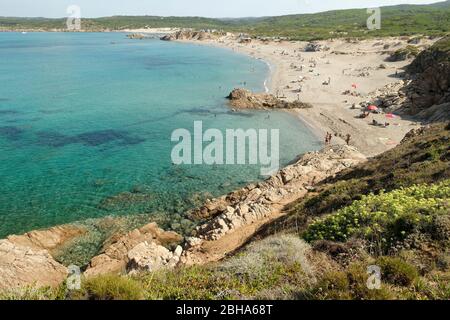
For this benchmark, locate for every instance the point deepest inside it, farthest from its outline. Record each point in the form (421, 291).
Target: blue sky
(205, 8)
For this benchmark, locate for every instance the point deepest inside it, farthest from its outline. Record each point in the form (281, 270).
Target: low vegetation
(404, 53)
(388, 218)
(434, 20)
(423, 158)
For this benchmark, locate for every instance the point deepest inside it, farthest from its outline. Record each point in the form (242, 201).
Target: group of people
(329, 137)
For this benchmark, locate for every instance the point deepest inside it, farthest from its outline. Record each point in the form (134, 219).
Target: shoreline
(269, 87)
(343, 62)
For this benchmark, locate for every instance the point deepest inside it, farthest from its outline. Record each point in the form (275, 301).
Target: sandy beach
(321, 78)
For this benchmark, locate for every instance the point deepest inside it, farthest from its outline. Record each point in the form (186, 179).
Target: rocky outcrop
(403, 54)
(257, 202)
(27, 259)
(22, 266)
(431, 77)
(426, 92)
(115, 257)
(315, 47)
(138, 36)
(151, 257)
(192, 35)
(49, 239)
(245, 99)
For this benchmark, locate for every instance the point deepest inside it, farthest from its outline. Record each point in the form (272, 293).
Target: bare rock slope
(426, 94)
(235, 217)
(22, 266)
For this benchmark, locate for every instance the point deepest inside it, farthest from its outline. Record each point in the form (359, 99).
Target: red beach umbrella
(372, 108)
(391, 116)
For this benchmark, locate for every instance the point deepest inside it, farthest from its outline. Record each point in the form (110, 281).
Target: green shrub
(396, 271)
(111, 287)
(405, 165)
(385, 218)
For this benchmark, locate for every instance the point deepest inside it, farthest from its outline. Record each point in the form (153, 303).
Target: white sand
(332, 110)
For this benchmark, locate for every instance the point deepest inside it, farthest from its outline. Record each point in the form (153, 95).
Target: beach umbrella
(391, 116)
(354, 86)
(372, 108)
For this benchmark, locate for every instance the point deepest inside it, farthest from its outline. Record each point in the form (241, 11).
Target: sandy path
(343, 64)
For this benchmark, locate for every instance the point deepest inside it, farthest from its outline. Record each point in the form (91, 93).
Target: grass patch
(346, 285)
(109, 287)
(396, 271)
(261, 270)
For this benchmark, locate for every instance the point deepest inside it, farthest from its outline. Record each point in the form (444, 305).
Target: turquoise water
(87, 117)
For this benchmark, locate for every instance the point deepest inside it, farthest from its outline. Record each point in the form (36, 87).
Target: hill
(398, 20)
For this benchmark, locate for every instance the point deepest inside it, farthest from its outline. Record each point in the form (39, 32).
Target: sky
(204, 8)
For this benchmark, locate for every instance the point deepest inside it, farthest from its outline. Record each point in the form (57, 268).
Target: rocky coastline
(226, 223)
(28, 259)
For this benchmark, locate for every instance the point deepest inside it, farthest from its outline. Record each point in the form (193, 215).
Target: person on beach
(348, 138)
(328, 138)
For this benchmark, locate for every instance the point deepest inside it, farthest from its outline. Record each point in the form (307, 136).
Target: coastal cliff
(425, 94)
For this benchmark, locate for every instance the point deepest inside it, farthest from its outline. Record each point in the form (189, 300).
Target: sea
(86, 121)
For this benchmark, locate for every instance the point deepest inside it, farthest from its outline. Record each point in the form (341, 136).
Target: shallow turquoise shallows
(86, 121)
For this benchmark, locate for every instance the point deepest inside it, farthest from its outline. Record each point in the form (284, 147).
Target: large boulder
(22, 266)
(151, 257)
(115, 256)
